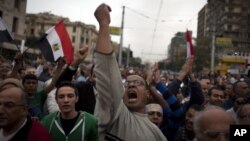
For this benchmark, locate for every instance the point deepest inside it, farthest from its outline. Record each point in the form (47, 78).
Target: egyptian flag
(56, 43)
(190, 48)
(4, 33)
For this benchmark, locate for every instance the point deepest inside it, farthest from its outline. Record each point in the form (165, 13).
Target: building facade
(228, 20)
(80, 33)
(13, 13)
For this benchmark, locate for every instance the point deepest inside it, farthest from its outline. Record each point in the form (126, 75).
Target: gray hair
(198, 117)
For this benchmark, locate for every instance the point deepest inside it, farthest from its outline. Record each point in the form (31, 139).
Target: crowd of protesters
(100, 101)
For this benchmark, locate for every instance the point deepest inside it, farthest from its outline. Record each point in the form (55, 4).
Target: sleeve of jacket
(91, 126)
(110, 89)
(196, 96)
(66, 75)
(174, 86)
(177, 113)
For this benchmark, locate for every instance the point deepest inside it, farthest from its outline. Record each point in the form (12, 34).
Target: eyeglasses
(247, 116)
(158, 114)
(240, 102)
(133, 82)
(9, 105)
(218, 96)
(215, 134)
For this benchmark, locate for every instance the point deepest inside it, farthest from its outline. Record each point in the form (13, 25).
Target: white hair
(198, 116)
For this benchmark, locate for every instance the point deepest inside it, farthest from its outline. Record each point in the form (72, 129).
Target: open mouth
(65, 106)
(132, 96)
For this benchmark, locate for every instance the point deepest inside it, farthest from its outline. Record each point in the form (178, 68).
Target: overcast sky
(140, 20)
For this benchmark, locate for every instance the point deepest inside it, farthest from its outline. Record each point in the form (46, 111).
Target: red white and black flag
(5, 35)
(190, 48)
(56, 43)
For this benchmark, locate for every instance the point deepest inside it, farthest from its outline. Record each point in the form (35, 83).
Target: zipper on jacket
(66, 138)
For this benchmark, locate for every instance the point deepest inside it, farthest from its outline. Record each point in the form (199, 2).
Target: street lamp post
(212, 55)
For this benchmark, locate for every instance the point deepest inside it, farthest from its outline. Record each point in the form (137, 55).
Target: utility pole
(212, 54)
(121, 38)
(128, 55)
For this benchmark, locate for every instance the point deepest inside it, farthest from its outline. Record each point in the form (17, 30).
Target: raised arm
(153, 91)
(103, 44)
(55, 77)
(108, 78)
(186, 68)
(70, 70)
(18, 64)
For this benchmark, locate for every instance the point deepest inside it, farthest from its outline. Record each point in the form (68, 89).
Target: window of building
(82, 40)
(1, 14)
(73, 39)
(74, 29)
(87, 41)
(32, 31)
(42, 26)
(15, 24)
(17, 4)
(229, 27)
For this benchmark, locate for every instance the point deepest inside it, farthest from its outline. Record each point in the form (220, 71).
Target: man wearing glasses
(243, 114)
(213, 124)
(14, 121)
(121, 112)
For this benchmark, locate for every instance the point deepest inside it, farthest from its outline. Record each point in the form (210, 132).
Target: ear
(77, 97)
(147, 93)
(25, 109)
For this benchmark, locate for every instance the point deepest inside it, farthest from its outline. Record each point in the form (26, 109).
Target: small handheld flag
(56, 43)
(5, 35)
(190, 49)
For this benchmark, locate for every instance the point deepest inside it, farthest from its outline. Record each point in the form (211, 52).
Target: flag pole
(18, 48)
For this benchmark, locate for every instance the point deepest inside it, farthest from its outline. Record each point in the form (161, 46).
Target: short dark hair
(28, 77)
(235, 85)
(196, 107)
(67, 84)
(214, 88)
(240, 110)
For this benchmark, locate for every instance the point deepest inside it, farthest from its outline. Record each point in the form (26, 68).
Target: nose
(155, 116)
(65, 99)
(222, 138)
(131, 84)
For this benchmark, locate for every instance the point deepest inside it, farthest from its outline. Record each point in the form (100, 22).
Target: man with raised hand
(121, 112)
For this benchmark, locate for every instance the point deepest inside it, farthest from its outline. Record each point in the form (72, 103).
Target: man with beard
(121, 112)
(216, 97)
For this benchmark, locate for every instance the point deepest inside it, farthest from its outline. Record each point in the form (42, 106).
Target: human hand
(154, 75)
(61, 62)
(102, 14)
(18, 57)
(40, 60)
(187, 67)
(80, 55)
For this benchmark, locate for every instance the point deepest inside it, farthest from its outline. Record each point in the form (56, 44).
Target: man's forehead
(66, 89)
(4, 64)
(134, 77)
(215, 91)
(242, 83)
(10, 92)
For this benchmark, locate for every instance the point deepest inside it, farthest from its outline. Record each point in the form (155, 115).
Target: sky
(149, 25)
